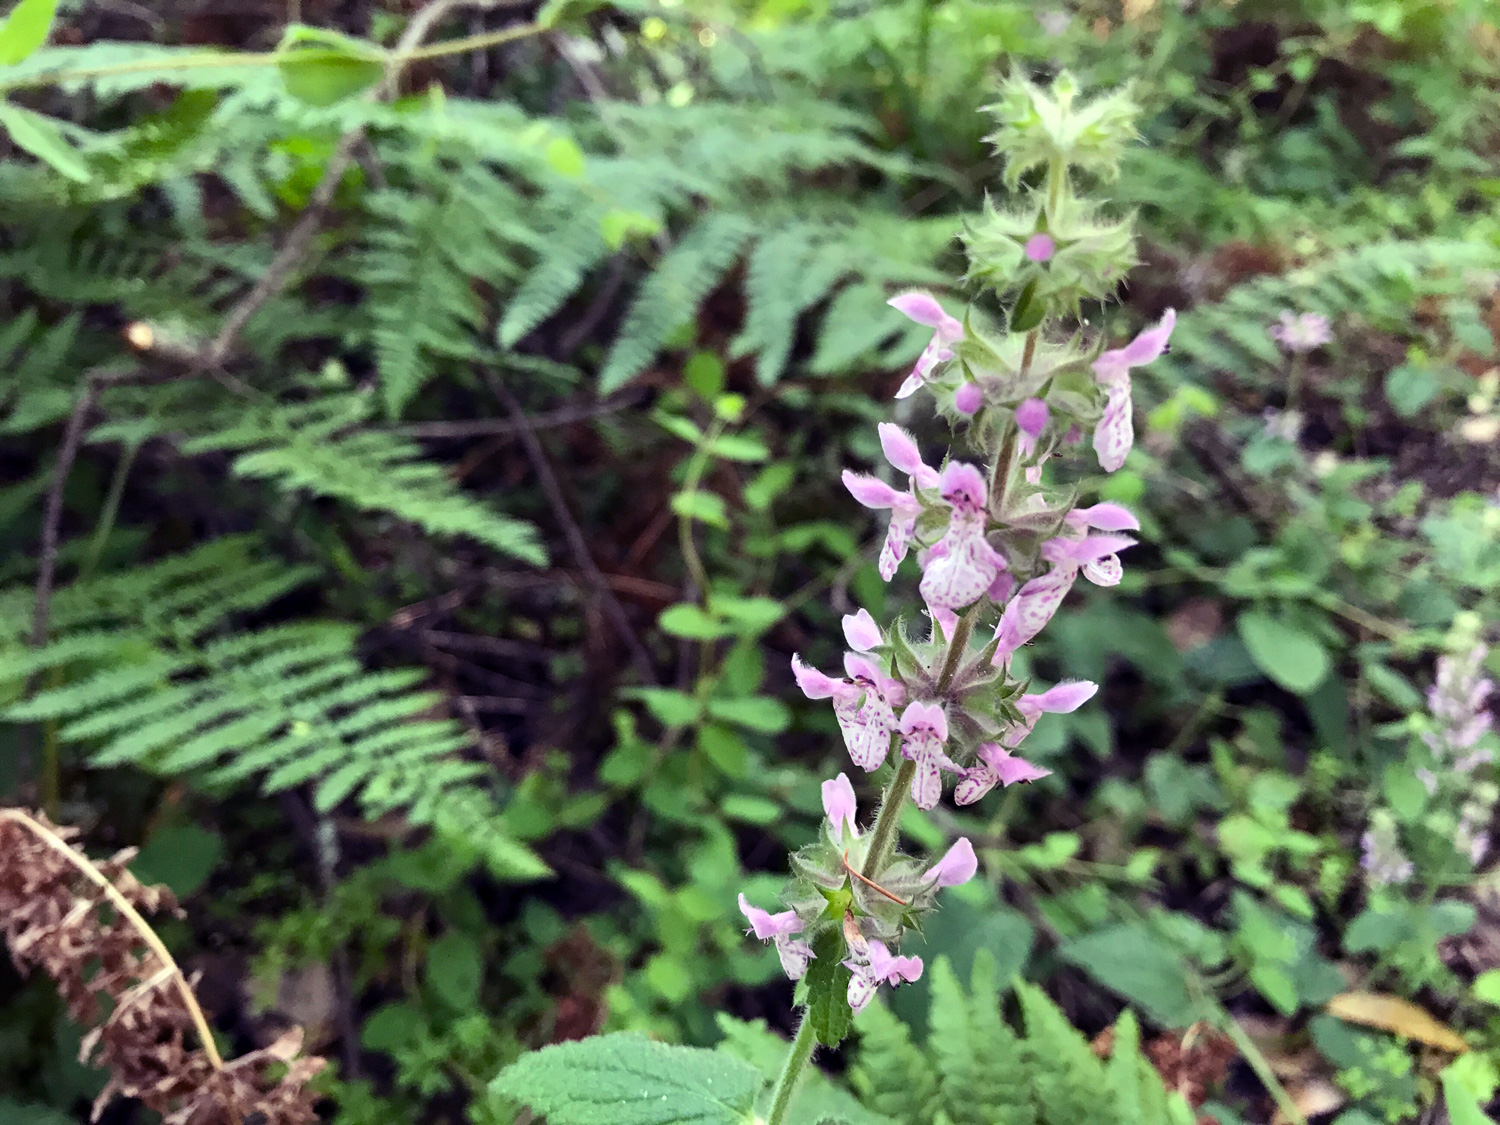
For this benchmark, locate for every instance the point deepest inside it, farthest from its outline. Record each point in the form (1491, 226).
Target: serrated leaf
(828, 989)
(1286, 654)
(25, 30)
(613, 1079)
(1132, 960)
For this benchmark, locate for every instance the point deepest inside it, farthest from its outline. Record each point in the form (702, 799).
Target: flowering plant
(1021, 379)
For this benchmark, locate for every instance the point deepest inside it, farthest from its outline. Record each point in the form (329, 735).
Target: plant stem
(958, 646)
(797, 1058)
(1057, 178)
(888, 821)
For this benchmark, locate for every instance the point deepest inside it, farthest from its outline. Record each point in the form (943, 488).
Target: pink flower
(1115, 433)
(779, 928)
(861, 631)
(962, 565)
(1027, 613)
(946, 330)
(1302, 333)
(864, 704)
(968, 399)
(839, 807)
(958, 865)
(997, 763)
(878, 966)
(924, 733)
(1032, 417)
(1040, 248)
(901, 451)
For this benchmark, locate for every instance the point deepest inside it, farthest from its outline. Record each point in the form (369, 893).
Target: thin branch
(488, 427)
(147, 935)
(577, 545)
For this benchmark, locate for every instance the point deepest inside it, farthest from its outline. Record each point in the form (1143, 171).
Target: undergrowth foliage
(308, 314)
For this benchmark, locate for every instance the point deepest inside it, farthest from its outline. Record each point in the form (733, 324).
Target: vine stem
(796, 1062)
(169, 965)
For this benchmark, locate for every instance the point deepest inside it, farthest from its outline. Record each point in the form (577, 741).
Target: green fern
(421, 267)
(572, 245)
(146, 669)
(1379, 283)
(976, 1070)
(671, 294)
(318, 447)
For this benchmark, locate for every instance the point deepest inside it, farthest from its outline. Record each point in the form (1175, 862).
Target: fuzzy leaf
(828, 989)
(615, 1079)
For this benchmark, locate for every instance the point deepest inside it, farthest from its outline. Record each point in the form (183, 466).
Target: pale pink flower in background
(878, 966)
(962, 565)
(946, 330)
(839, 807)
(1115, 433)
(924, 734)
(779, 928)
(1301, 332)
(901, 451)
(957, 866)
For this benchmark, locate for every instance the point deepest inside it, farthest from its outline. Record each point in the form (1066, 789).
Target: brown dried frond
(80, 922)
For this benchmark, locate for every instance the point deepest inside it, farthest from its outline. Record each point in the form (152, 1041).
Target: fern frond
(572, 245)
(317, 448)
(166, 689)
(420, 266)
(892, 1076)
(999, 1075)
(1068, 1080)
(671, 295)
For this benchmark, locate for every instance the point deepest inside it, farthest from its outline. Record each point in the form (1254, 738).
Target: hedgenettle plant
(1022, 379)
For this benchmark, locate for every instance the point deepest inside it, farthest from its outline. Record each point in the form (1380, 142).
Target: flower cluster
(1454, 824)
(997, 546)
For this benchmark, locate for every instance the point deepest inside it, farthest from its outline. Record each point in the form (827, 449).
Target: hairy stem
(797, 1058)
(888, 821)
(130, 914)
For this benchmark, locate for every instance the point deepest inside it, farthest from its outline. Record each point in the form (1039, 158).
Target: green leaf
(1294, 659)
(828, 989)
(1463, 1108)
(690, 621)
(1410, 387)
(752, 615)
(669, 707)
(182, 856)
(1134, 961)
(323, 68)
(613, 1079)
(759, 713)
(455, 970)
(706, 507)
(565, 157)
(738, 447)
(25, 29)
(704, 372)
(41, 137)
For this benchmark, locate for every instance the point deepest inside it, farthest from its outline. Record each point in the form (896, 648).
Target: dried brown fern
(81, 923)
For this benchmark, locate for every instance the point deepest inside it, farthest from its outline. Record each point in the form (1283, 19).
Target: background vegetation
(411, 497)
